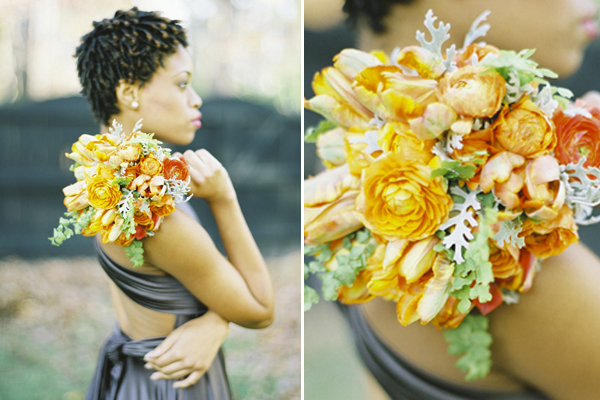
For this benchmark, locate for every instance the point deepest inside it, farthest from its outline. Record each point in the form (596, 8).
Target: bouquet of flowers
(126, 185)
(448, 177)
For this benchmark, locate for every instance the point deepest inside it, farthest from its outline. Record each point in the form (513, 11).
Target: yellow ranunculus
(102, 193)
(472, 92)
(400, 200)
(398, 138)
(329, 206)
(550, 238)
(525, 130)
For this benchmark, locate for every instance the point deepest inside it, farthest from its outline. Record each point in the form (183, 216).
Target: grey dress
(402, 381)
(120, 374)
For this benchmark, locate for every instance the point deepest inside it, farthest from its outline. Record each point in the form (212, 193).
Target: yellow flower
(473, 93)
(392, 95)
(525, 130)
(102, 193)
(550, 238)
(400, 200)
(398, 138)
(350, 62)
(329, 206)
(129, 151)
(427, 64)
(436, 119)
(151, 165)
(76, 196)
(505, 265)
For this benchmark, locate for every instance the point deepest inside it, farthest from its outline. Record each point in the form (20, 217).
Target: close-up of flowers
(449, 175)
(126, 184)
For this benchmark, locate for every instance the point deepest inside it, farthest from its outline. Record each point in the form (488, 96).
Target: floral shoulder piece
(126, 185)
(449, 175)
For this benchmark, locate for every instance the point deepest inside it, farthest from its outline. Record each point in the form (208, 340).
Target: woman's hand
(209, 180)
(188, 350)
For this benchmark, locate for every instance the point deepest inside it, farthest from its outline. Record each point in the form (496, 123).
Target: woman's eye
(183, 85)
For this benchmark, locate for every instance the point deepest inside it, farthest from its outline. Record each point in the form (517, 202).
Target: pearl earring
(135, 104)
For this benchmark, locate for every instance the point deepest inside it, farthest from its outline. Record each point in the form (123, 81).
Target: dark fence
(259, 147)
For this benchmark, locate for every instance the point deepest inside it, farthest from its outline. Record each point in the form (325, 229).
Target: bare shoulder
(550, 339)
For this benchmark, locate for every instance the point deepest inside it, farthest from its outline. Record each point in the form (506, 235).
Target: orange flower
(151, 165)
(129, 151)
(398, 138)
(102, 193)
(465, 57)
(525, 130)
(392, 95)
(477, 145)
(329, 206)
(176, 168)
(544, 192)
(472, 92)
(400, 200)
(124, 239)
(550, 238)
(164, 206)
(578, 136)
(505, 265)
(143, 218)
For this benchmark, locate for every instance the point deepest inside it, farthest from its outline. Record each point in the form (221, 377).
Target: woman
(544, 347)
(136, 66)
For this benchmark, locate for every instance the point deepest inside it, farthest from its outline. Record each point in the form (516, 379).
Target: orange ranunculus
(472, 92)
(544, 192)
(329, 206)
(578, 135)
(124, 239)
(427, 64)
(103, 193)
(505, 265)
(151, 165)
(143, 218)
(164, 206)
(129, 151)
(400, 200)
(398, 138)
(550, 238)
(525, 130)
(465, 57)
(390, 94)
(176, 168)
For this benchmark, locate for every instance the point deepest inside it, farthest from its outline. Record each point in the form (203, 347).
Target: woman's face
(559, 30)
(168, 103)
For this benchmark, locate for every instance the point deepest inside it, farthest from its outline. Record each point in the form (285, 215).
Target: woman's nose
(196, 100)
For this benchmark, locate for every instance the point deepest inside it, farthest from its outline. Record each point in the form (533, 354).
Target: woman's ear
(127, 95)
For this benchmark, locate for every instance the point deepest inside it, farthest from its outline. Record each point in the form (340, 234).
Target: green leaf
(453, 169)
(471, 340)
(310, 297)
(74, 219)
(121, 181)
(135, 252)
(313, 133)
(330, 285)
(363, 235)
(316, 266)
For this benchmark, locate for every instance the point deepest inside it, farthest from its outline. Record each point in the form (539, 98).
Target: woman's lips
(197, 122)
(590, 26)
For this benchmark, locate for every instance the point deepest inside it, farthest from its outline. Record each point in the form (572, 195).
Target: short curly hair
(130, 46)
(373, 11)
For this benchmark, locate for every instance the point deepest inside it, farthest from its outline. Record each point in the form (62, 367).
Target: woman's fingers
(160, 350)
(175, 375)
(190, 380)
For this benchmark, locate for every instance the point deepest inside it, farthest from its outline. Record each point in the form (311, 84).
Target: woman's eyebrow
(182, 72)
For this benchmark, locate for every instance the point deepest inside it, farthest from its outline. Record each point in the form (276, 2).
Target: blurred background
(332, 367)
(54, 306)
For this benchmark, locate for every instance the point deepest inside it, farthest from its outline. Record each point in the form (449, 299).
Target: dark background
(257, 145)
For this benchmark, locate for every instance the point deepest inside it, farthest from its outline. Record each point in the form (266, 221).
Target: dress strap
(161, 293)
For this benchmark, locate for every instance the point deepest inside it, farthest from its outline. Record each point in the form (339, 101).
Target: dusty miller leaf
(509, 233)
(582, 192)
(462, 222)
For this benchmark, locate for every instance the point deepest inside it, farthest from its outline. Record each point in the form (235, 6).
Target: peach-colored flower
(436, 119)
(550, 238)
(578, 136)
(477, 148)
(392, 95)
(465, 57)
(176, 168)
(151, 165)
(76, 196)
(329, 206)
(505, 264)
(164, 206)
(400, 200)
(544, 192)
(472, 92)
(499, 172)
(331, 147)
(427, 64)
(525, 130)
(103, 193)
(129, 151)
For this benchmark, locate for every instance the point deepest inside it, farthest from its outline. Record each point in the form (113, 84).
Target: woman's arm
(238, 289)
(550, 339)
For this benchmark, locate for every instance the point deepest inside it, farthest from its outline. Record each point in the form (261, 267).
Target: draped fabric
(120, 374)
(402, 381)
